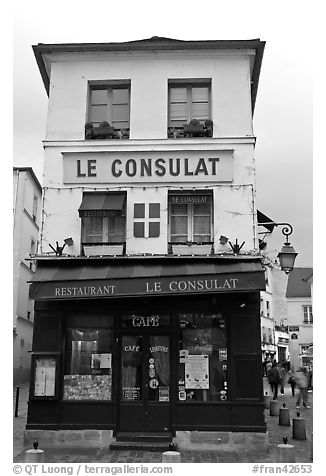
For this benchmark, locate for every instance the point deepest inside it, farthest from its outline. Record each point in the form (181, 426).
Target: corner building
(147, 289)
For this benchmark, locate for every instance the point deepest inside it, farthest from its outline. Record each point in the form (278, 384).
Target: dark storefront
(147, 345)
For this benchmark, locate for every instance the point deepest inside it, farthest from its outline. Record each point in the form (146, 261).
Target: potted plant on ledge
(103, 131)
(193, 129)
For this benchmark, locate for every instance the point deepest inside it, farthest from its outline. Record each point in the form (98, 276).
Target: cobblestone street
(276, 432)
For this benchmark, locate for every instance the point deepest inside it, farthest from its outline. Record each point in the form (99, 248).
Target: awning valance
(144, 277)
(103, 202)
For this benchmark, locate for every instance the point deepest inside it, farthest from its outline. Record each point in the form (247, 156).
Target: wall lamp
(287, 255)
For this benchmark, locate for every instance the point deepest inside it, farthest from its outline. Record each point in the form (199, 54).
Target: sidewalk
(104, 455)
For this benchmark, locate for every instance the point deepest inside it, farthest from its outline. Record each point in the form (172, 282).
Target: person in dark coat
(274, 379)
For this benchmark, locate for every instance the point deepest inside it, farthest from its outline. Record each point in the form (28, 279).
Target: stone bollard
(299, 428)
(171, 457)
(284, 418)
(267, 400)
(273, 407)
(34, 455)
(285, 453)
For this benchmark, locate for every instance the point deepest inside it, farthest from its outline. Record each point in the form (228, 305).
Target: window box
(193, 130)
(192, 249)
(103, 250)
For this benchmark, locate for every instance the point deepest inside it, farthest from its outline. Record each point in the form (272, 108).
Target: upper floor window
(190, 109)
(190, 218)
(103, 219)
(307, 315)
(109, 111)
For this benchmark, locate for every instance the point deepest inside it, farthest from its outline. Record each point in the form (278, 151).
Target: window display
(202, 357)
(88, 364)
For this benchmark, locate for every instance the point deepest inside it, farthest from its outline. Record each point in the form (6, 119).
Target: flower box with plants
(193, 129)
(103, 250)
(190, 248)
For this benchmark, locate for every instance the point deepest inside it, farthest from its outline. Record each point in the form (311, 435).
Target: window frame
(190, 219)
(109, 86)
(307, 314)
(189, 84)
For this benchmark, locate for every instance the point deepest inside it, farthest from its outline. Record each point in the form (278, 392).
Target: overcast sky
(283, 113)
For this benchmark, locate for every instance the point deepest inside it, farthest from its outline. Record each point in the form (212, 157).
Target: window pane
(116, 229)
(200, 94)
(98, 113)
(92, 229)
(200, 111)
(158, 375)
(202, 225)
(88, 364)
(131, 375)
(139, 210)
(178, 112)
(120, 96)
(120, 113)
(154, 210)
(139, 229)
(154, 229)
(99, 96)
(178, 94)
(203, 357)
(179, 226)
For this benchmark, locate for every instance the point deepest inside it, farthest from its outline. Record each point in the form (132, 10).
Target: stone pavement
(276, 432)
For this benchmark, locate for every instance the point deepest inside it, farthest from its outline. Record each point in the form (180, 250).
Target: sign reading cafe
(107, 167)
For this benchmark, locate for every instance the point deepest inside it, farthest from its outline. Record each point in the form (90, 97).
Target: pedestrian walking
(291, 380)
(282, 374)
(301, 380)
(274, 379)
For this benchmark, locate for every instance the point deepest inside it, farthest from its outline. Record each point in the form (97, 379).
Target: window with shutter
(187, 102)
(190, 218)
(111, 104)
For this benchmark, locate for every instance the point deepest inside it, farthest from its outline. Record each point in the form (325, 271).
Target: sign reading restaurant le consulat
(106, 167)
(146, 286)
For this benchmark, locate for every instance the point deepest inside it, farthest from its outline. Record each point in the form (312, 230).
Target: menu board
(45, 377)
(197, 371)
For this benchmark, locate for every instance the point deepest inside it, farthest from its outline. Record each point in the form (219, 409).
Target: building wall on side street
(22, 346)
(25, 239)
(305, 333)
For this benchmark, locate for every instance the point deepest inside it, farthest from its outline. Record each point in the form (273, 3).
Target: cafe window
(190, 218)
(103, 218)
(203, 358)
(88, 364)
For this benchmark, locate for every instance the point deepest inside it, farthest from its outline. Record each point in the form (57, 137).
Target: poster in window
(96, 361)
(45, 377)
(106, 361)
(164, 394)
(197, 371)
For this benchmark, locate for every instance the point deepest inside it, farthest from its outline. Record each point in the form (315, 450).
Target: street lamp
(287, 254)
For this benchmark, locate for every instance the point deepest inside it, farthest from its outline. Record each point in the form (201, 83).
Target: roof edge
(153, 44)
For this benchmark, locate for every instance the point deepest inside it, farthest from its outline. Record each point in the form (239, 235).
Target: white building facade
(149, 248)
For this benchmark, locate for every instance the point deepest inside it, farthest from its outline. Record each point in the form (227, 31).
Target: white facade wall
(234, 196)
(305, 333)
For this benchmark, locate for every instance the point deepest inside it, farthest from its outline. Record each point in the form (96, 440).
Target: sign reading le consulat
(143, 286)
(106, 167)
